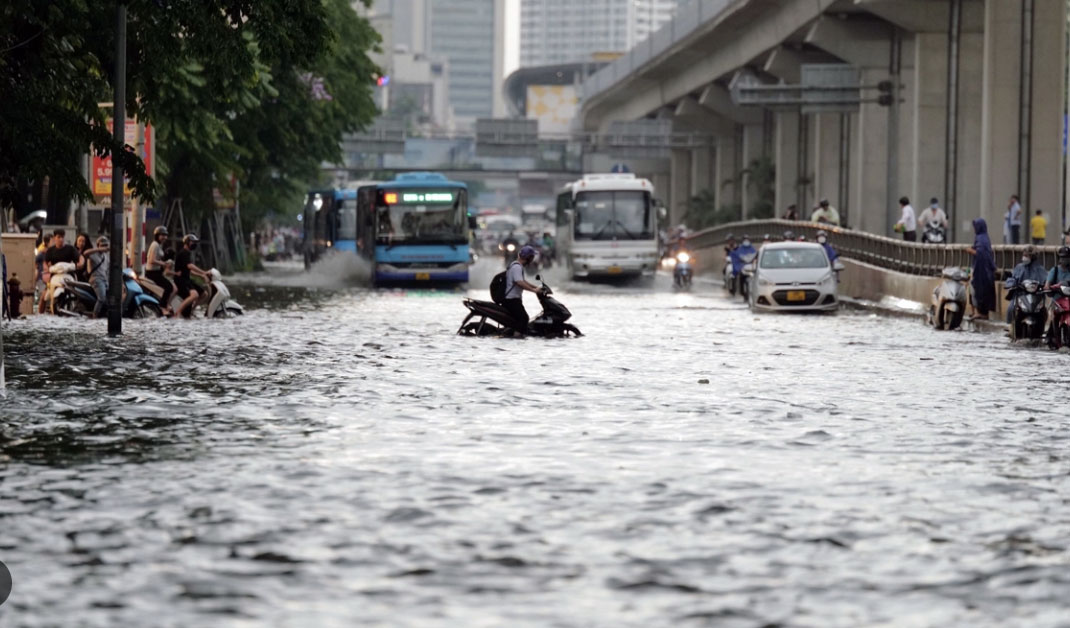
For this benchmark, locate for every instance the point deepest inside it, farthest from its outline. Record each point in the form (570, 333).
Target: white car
(793, 276)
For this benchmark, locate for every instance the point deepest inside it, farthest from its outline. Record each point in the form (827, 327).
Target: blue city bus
(414, 229)
(330, 220)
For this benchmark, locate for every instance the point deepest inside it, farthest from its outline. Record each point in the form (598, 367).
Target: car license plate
(423, 276)
(796, 295)
(614, 270)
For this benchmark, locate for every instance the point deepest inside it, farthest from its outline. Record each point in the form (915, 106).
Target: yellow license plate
(614, 270)
(423, 276)
(796, 295)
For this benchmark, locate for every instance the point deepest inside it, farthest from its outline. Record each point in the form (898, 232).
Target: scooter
(495, 320)
(934, 234)
(69, 296)
(1030, 314)
(741, 280)
(509, 251)
(1059, 334)
(138, 303)
(683, 271)
(219, 303)
(949, 300)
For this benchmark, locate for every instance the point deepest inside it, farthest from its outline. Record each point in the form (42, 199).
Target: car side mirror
(838, 266)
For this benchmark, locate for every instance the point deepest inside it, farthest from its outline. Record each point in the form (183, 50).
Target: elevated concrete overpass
(976, 114)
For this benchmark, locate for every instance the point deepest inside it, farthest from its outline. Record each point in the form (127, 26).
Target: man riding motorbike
(744, 250)
(823, 240)
(1059, 274)
(516, 284)
(1030, 268)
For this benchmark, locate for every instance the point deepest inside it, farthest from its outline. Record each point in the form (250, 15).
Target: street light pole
(118, 127)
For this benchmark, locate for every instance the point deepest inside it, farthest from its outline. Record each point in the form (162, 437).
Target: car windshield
(613, 216)
(794, 258)
(426, 216)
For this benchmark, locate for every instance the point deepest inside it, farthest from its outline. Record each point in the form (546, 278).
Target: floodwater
(339, 457)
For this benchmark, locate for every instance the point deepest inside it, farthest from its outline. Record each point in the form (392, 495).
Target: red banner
(100, 169)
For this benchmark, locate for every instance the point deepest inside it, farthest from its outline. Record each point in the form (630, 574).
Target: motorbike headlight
(511, 248)
(683, 257)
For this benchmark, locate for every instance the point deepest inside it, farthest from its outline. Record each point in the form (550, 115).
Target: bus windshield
(614, 216)
(422, 216)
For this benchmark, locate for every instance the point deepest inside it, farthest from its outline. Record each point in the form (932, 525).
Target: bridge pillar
(829, 171)
(726, 169)
(930, 117)
(753, 148)
(701, 170)
(787, 160)
(679, 184)
(999, 126)
(1045, 182)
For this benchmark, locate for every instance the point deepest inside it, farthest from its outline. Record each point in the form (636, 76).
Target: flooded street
(339, 457)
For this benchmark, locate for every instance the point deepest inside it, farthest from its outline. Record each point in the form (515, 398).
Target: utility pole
(118, 127)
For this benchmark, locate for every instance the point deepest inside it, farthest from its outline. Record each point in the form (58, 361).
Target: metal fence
(906, 257)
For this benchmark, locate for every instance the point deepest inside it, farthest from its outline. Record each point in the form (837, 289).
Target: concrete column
(786, 148)
(869, 171)
(1000, 114)
(679, 184)
(1049, 70)
(726, 169)
(930, 117)
(968, 175)
(826, 160)
(701, 170)
(753, 148)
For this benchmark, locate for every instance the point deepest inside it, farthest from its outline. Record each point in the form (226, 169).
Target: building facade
(565, 31)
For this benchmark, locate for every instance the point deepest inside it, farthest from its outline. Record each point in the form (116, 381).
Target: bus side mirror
(662, 212)
(473, 224)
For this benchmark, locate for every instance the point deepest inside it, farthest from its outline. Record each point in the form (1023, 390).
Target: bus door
(366, 221)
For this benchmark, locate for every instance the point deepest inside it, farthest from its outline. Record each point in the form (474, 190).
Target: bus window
(347, 220)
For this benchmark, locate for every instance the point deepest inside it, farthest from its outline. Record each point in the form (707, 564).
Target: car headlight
(764, 282)
(827, 278)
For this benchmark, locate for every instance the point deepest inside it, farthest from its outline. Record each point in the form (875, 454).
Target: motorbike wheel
(1064, 337)
(66, 305)
(954, 321)
(571, 329)
(147, 310)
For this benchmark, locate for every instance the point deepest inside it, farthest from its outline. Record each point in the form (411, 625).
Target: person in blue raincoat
(983, 278)
(1029, 269)
(823, 240)
(741, 256)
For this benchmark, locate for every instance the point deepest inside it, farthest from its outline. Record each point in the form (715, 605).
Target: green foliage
(702, 211)
(761, 181)
(262, 90)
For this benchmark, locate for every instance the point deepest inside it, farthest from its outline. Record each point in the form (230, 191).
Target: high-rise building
(469, 36)
(570, 31)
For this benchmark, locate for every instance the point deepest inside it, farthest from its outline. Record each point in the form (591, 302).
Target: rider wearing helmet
(516, 284)
(157, 264)
(823, 240)
(184, 269)
(1060, 273)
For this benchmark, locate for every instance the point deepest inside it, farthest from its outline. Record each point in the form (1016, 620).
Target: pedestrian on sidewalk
(1014, 218)
(791, 213)
(983, 277)
(908, 223)
(1038, 228)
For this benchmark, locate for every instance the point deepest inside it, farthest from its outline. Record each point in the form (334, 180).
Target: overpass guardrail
(913, 258)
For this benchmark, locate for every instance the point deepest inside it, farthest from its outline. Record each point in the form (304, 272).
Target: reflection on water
(338, 456)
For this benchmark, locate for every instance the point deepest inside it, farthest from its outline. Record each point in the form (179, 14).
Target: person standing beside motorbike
(515, 285)
(97, 260)
(983, 277)
(155, 265)
(184, 269)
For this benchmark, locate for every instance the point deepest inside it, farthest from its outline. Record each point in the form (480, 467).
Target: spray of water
(336, 271)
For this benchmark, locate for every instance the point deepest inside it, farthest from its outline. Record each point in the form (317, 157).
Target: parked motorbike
(683, 271)
(70, 297)
(1059, 334)
(1030, 313)
(948, 304)
(934, 234)
(486, 318)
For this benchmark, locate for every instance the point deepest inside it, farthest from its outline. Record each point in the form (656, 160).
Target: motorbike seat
(492, 310)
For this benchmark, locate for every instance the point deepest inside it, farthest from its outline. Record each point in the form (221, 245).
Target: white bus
(607, 226)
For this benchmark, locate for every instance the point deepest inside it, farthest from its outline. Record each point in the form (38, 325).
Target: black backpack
(497, 287)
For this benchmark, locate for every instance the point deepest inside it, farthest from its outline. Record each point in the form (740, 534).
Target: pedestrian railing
(914, 258)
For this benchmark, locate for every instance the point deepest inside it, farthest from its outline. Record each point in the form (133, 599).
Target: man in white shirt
(908, 224)
(515, 285)
(932, 214)
(826, 213)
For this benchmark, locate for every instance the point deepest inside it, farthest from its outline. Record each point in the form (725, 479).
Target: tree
(262, 89)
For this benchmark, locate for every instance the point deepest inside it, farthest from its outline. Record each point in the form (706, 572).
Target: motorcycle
(683, 271)
(70, 297)
(215, 297)
(495, 320)
(949, 300)
(509, 251)
(1059, 334)
(934, 234)
(138, 303)
(1030, 313)
(741, 280)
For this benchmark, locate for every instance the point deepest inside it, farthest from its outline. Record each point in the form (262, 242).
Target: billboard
(100, 169)
(554, 106)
